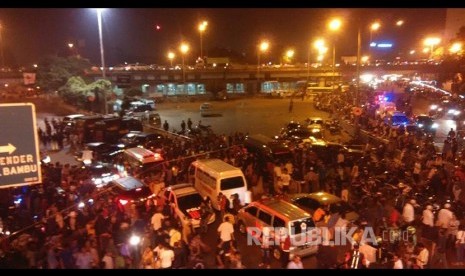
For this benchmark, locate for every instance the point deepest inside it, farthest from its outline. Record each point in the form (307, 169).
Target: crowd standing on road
(386, 185)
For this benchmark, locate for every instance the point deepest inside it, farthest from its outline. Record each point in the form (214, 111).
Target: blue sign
(384, 45)
(19, 146)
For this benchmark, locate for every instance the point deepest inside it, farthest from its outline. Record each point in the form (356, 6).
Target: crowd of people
(383, 185)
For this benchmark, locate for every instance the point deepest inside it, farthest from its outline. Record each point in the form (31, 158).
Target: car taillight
(123, 201)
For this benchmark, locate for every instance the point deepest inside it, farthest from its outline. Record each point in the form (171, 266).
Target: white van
(206, 109)
(141, 161)
(212, 176)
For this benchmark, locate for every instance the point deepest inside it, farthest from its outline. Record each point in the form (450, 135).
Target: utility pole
(1, 46)
(357, 91)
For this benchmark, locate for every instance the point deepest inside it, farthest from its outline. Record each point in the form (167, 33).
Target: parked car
(206, 109)
(101, 174)
(138, 138)
(68, 122)
(426, 123)
(282, 216)
(185, 201)
(99, 152)
(130, 190)
(311, 202)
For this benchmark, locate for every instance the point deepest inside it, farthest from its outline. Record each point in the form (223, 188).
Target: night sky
(130, 34)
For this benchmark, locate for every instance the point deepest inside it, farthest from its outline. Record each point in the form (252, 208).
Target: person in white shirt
(157, 220)
(286, 181)
(295, 263)
(397, 262)
(166, 256)
(423, 256)
(340, 158)
(289, 167)
(408, 213)
(277, 176)
(226, 230)
(107, 261)
(444, 216)
(428, 216)
(416, 171)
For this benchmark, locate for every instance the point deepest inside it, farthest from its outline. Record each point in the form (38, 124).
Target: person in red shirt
(394, 216)
(223, 203)
(285, 246)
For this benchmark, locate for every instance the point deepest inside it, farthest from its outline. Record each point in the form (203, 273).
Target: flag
(29, 78)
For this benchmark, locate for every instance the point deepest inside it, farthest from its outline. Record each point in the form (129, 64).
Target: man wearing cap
(408, 213)
(444, 216)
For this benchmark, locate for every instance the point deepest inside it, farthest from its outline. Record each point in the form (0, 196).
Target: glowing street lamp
(364, 59)
(334, 25)
(373, 28)
(262, 48)
(289, 55)
(202, 27)
(455, 48)
(412, 52)
(399, 23)
(171, 56)
(431, 42)
(319, 44)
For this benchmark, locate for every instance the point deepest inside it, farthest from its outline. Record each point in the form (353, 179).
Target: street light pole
(258, 71)
(201, 45)
(334, 62)
(334, 25)
(359, 46)
(261, 48)
(184, 48)
(102, 58)
(308, 64)
(202, 28)
(1, 46)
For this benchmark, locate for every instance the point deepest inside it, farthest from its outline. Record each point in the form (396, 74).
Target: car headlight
(433, 107)
(457, 112)
(451, 111)
(420, 125)
(439, 109)
(434, 125)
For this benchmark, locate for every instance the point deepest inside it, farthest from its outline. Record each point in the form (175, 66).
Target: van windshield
(232, 183)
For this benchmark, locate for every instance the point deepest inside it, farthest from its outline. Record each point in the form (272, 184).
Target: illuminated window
(239, 88)
(201, 88)
(171, 89)
(229, 88)
(191, 89)
(161, 88)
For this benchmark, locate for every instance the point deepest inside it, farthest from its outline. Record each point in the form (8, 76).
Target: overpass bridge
(247, 79)
(239, 79)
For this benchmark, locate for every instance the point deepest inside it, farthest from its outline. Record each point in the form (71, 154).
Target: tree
(461, 34)
(53, 72)
(77, 92)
